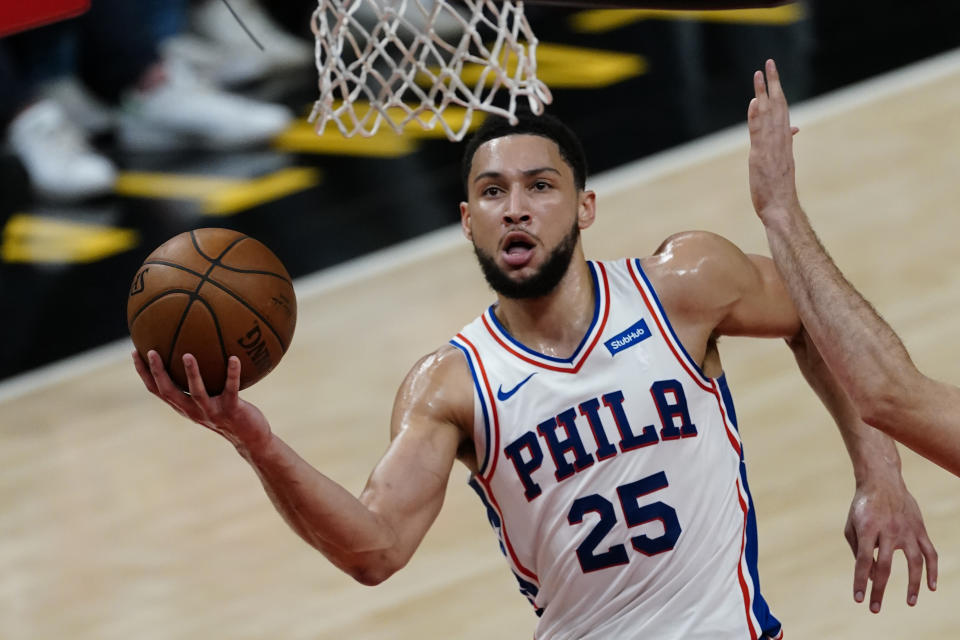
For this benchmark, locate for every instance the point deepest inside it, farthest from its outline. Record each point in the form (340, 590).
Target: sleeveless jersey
(615, 478)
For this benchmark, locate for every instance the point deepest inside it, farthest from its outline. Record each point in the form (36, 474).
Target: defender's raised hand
(772, 176)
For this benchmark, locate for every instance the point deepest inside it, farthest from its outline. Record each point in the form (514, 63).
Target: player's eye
(491, 190)
(541, 185)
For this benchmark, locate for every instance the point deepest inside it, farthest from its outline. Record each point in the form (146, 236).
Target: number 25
(634, 515)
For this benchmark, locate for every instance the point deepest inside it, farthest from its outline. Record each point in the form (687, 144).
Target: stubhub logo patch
(628, 337)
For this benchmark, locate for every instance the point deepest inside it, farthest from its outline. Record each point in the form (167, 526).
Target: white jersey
(615, 478)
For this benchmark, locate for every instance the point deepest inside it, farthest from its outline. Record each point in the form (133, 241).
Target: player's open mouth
(517, 249)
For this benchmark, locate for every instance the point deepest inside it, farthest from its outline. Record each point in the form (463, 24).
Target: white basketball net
(404, 61)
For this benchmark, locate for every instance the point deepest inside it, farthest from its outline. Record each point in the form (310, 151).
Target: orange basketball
(213, 293)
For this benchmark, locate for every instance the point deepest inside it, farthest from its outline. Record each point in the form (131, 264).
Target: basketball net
(404, 61)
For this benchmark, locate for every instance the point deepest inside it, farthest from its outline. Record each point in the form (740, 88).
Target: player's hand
(885, 517)
(772, 173)
(236, 420)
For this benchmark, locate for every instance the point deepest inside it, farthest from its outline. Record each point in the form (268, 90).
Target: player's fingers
(198, 391)
(794, 130)
(161, 378)
(861, 568)
(231, 389)
(914, 571)
(881, 573)
(169, 392)
(144, 372)
(930, 555)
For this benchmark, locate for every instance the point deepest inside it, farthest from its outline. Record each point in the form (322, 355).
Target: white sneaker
(212, 19)
(80, 106)
(58, 159)
(223, 66)
(188, 112)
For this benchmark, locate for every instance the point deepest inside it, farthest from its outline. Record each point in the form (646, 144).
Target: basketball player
(858, 345)
(590, 405)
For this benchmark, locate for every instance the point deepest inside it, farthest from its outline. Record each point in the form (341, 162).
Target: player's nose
(517, 211)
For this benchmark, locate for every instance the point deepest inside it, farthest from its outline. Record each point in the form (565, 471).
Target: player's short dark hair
(543, 125)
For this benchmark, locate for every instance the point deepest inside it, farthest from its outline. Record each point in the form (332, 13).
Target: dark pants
(109, 47)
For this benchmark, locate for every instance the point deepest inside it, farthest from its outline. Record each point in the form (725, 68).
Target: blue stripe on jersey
(728, 402)
(769, 624)
(528, 589)
(593, 323)
(656, 300)
(483, 406)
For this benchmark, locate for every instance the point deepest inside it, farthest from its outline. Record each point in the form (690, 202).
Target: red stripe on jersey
(663, 332)
(506, 538)
(733, 440)
(495, 449)
(583, 357)
(484, 480)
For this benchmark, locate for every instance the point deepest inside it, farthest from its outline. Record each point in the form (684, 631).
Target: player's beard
(540, 283)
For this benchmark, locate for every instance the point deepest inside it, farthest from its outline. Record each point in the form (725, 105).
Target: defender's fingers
(850, 533)
(759, 87)
(881, 573)
(753, 111)
(914, 572)
(773, 80)
(144, 372)
(930, 556)
(861, 568)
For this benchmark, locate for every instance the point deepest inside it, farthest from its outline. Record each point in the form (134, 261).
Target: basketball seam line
(222, 266)
(195, 296)
(216, 325)
(220, 286)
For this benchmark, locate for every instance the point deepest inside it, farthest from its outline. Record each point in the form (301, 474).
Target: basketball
(213, 293)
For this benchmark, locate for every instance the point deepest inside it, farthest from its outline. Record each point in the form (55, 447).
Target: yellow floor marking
(567, 67)
(602, 20)
(29, 238)
(219, 196)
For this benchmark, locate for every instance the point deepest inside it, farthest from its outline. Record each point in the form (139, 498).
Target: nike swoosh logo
(505, 395)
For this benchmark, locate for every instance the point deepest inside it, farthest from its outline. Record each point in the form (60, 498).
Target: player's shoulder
(692, 256)
(439, 385)
(693, 247)
(691, 268)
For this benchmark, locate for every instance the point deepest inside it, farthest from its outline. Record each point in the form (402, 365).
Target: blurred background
(138, 121)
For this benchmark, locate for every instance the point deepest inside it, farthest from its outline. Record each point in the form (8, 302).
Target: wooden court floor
(120, 520)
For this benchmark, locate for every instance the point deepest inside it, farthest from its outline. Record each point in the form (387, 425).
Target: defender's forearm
(861, 349)
(871, 452)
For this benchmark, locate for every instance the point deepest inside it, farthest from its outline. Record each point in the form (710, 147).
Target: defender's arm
(717, 286)
(860, 348)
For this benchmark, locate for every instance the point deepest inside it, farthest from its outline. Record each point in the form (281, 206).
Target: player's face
(524, 214)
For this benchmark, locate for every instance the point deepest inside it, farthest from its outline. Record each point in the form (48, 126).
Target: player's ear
(587, 211)
(465, 221)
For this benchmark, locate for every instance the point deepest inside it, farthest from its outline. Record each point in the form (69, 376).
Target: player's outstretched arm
(861, 349)
(737, 294)
(369, 537)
